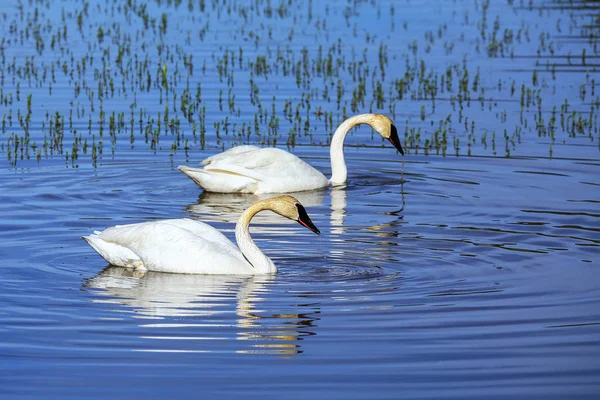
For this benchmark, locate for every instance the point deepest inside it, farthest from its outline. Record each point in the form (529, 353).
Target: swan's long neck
(260, 262)
(339, 173)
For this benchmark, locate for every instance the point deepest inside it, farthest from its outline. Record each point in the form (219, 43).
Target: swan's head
(387, 129)
(289, 207)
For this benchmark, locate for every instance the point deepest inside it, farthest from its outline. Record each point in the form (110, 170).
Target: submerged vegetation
(83, 80)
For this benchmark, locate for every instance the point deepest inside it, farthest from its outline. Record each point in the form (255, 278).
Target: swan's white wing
(182, 246)
(202, 230)
(220, 181)
(226, 172)
(273, 170)
(229, 153)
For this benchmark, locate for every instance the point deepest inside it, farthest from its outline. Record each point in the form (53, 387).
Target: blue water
(435, 276)
(481, 287)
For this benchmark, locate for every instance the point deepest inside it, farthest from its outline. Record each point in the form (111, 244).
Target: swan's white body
(251, 169)
(192, 247)
(173, 245)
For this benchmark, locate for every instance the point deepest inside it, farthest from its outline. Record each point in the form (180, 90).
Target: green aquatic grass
(176, 76)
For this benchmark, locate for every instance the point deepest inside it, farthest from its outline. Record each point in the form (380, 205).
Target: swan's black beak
(305, 221)
(395, 139)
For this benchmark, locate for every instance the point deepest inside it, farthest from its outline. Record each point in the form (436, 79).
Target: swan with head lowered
(192, 247)
(251, 169)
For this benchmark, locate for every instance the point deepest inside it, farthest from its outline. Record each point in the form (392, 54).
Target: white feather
(255, 170)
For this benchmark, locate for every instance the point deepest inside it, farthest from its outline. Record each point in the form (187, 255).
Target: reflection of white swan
(188, 246)
(225, 304)
(158, 295)
(227, 207)
(338, 210)
(250, 169)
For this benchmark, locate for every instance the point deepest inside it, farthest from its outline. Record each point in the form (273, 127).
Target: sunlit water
(440, 277)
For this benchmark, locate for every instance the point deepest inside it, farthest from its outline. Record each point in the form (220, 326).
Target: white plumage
(173, 245)
(251, 169)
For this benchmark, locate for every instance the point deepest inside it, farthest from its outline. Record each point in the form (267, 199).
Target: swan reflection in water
(227, 207)
(226, 306)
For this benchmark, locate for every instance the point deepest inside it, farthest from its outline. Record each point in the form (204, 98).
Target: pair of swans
(193, 247)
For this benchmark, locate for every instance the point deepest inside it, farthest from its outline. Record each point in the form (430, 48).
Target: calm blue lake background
(466, 269)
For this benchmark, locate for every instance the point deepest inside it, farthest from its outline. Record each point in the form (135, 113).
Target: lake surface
(468, 269)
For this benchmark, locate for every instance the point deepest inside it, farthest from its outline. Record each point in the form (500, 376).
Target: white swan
(250, 169)
(192, 247)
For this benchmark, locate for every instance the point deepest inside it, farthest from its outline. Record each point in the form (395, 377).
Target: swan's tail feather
(219, 181)
(113, 253)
